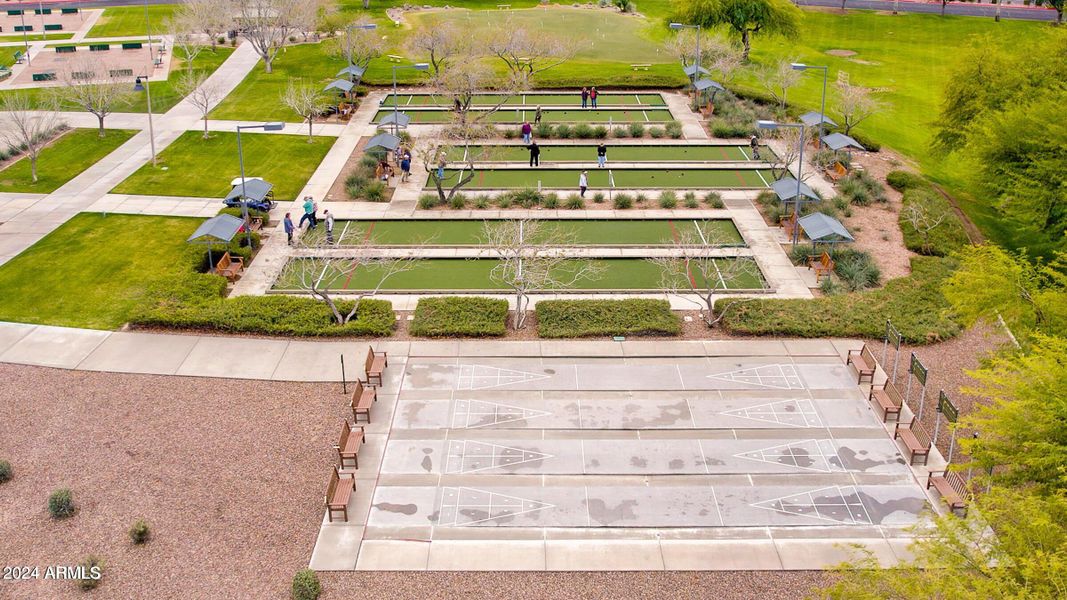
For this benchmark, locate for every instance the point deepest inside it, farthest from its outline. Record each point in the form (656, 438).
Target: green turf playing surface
(469, 232)
(531, 100)
(616, 153)
(450, 274)
(500, 179)
(599, 116)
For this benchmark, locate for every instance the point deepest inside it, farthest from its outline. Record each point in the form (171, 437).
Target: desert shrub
(527, 197)
(657, 132)
(6, 473)
(481, 202)
(368, 162)
(668, 199)
(94, 571)
(582, 318)
(857, 270)
(829, 286)
(598, 197)
(564, 131)
(306, 585)
(673, 129)
(600, 132)
(140, 532)
(543, 130)
(510, 133)
(714, 199)
(428, 201)
(458, 202)
(551, 201)
(623, 201)
(583, 131)
(252, 213)
(637, 130)
(61, 504)
(940, 240)
(460, 316)
(640, 198)
(503, 201)
(692, 203)
(903, 180)
(861, 189)
(620, 132)
(575, 202)
(374, 191)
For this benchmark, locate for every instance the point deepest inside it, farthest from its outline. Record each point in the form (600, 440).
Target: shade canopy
(703, 85)
(812, 119)
(353, 71)
(840, 141)
(786, 189)
(342, 85)
(691, 70)
(255, 190)
(820, 227)
(220, 229)
(387, 141)
(401, 119)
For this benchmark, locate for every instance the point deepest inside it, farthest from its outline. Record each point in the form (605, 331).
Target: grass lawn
(74, 152)
(457, 232)
(616, 153)
(534, 100)
(93, 270)
(130, 20)
(35, 37)
(499, 179)
(445, 274)
(258, 95)
(518, 115)
(193, 166)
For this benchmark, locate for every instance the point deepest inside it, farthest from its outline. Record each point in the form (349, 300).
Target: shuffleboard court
(555, 117)
(448, 274)
(501, 179)
(583, 232)
(616, 153)
(530, 100)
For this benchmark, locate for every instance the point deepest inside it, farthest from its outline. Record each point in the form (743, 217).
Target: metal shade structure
(691, 71)
(220, 229)
(703, 85)
(342, 85)
(255, 190)
(840, 141)
(398, 119)
(824, 229)
(786, 190)
(353, 71)
(385, 141)
(812, 119)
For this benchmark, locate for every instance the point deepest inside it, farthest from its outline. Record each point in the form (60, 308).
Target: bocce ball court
(551, 116)
(531, 101)
(626, 179)
(517, 152)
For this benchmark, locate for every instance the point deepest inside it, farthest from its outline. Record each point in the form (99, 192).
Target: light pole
(800, 167)
(273, 126)
(696, 72)
(396, 102)
(822, 109)
(25, 37)
(147, 88)
(348, 40)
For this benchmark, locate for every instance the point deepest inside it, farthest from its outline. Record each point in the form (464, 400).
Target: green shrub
(481, 202)
(830, 287)
(503, 200)
(857, 270)
(355, 183)
(674, 129)
(861, 189)
(620, 132)
(306, 585)
(598, 197)
(543, 130)
(640, 198)
(623, 201)
(904, 180)
(723, 129)
(94, 571)
(668, 200)
(460, 316)
(600, 132)
(582, 318)
(510, 134)
(374, 191)
(458, 202)
(583, 131)
(927, 205)
(551, 201)
(575, 202)
(657, 132)
(527, 197)
(61, 504)
(6, 473)
(140, 532)
(915, 304)
(691, 203)
(252, 213)
(714, 199)
(564, 131)
(428, 201)
(637, 130)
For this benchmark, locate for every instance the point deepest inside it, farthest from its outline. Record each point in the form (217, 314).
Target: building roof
(255, 190)
(840, 141)
(820, 227)
(811, 119)
(786, 189)
(706, 84)
(343, 85)
(384, 140)
(220, 228)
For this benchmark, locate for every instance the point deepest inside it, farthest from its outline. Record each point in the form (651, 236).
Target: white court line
(715, 264)
(638, 98)
(410, 98)
(344, 231)
(715, 499)
(762, 178)
(647, 120)
(702, 238)
(321, 275)
(743, 153)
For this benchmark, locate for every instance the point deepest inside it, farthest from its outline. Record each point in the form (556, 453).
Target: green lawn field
(34, 37)
(499, 179)
(589, 232)
(532, 100)
(598, 116)
(93, 270)
(193, 166)
(257, 97)
(616, 153)
(74, 152)
(446, 274)
(130, 20)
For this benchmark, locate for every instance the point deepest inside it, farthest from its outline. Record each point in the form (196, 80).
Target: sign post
(892, 336)
(920, 372)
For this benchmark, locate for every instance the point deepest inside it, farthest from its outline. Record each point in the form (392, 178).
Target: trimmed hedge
(903, 180)
(914, 303)
(460, 316)
(583, 318)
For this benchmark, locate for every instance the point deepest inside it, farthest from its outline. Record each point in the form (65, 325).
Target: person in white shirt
(329, 225)
(583, 183)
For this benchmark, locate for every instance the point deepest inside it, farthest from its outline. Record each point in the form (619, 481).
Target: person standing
(601, 155)
(287, 222)
(309, 210)
(754, 142)
(537, 116)
(583, 183)
(405, 166)
(329, 226)
(527, 133)
(314, 212)
(535, 154)
(585, 97)
(592, 96)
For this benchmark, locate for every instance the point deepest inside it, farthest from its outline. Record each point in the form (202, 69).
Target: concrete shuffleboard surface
(535, 463)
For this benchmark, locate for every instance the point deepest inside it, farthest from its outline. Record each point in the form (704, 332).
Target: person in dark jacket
(585, 97)
(601, 154)
(535, 154)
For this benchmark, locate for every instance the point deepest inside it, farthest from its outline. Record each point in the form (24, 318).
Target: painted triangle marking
(472, 414)
(793, 413)
(835, 504)
(776, 376)
(469, 456)
(481, 377)
(462, 506)
(808, 455)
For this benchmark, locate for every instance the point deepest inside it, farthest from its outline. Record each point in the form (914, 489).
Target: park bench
(132, 45)
(53, 27)
(99, 47)
(68, 11)
(348, 447)
(641, 66)
(20, 28)
(363, 397)
(5, 72)
(864, 361)
(952, 487)
(157, 62)
(836, 172)
(229, 266)
(916, 440)
(375, 365)
(339, 492)
(394, 58)
(42, 11)
(82, 75)
(822, 264)
(20, 57)
(788, 222)
(503, 6)
(120, 72)
(889, 398)
(14, 12)
(66, 49)
(45, 76)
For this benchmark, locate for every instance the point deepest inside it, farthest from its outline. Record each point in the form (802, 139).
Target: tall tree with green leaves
(746, 17)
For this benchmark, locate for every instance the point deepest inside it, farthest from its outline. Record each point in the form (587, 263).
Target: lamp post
(273, 126)
(148, 91)
(822, 109)
(396, 103)
(679, 26)
(25, 37)
(800, 167)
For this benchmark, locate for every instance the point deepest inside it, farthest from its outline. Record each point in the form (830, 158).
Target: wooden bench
(229, 266)
(375, 365)
(641, 66)
(952, 487)
(864, 361)
(394, 58)
(822, 264)
(836, 172)
(348, 447)
(915, 439)
(255, 223)
(889, 398)
(339, 492)
(363, 397)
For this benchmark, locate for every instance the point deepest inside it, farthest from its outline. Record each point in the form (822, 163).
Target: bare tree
(28, 126)
(86, 85)
(440, 44)
(462, 84)
(201, 93)
(924, 220)
(682, 46)
(184, 37)
(696, 270)
(526, 52)
(448, 179)
(356, 45)
(315, 266)
(306, 100)
(727, 62)
(787, 151)
(778, 79)
(532, 257)
(267, 25)
(211, 18)
(855, 104)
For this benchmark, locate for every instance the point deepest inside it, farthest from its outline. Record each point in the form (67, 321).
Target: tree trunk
(310, 137)
(267, 67)
(100, 119)
(746, 42)
(366, 4)
(205, 127)
(33, 167)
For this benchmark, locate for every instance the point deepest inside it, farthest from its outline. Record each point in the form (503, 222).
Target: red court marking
(740, 178)
(370, 229)
(674, 232)
(689, 272)
(725, 156)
